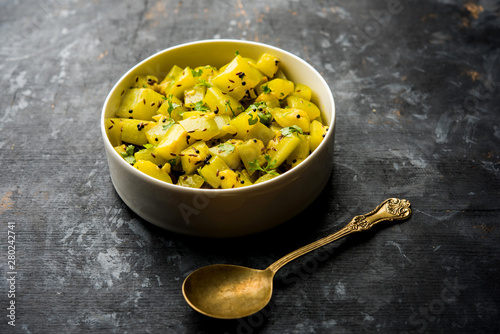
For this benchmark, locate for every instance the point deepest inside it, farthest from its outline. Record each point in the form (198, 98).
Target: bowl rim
(289, 175)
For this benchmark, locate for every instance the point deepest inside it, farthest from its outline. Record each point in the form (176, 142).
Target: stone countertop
(417, 86)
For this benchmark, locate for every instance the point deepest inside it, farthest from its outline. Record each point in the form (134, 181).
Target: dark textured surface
(417, 88)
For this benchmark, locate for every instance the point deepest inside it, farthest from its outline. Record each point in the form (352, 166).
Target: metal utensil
(229, 291)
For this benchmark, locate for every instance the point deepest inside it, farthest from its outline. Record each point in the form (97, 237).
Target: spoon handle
(390, 209)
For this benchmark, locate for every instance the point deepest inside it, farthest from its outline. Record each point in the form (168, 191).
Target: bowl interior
(217, 53)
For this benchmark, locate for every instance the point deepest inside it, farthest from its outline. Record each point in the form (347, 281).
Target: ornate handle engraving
(391, 209)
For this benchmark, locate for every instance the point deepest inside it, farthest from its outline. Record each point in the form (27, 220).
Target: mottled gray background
(417, 86)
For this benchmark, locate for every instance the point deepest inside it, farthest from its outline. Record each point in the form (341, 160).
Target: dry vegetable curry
(203, 127)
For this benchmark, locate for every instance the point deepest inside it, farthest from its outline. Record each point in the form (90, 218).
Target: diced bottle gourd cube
(229, 152)
(134, 131)
(302, 91)
(301, 152)
(222, 122)
(280, 88)
(210, 172)
(299, 103)
(318, 132)
(281, 147)
(114, 130)
(146, 81)
(150, 154)
(252, 151)
(184, 80)
(243, 123)
(265, 177)
(191, 181)
(222, 104)
(155, 171)
(200, 127)
(193, 96)
(140, 103)
(268, 64)
(270, 99)
(175, 140)
(243, 175)
(237, 78)
(192, 157)
(261, 132)
(290, 116)
(229, 179)
(121, 149)
(156, 133)
(169, 78)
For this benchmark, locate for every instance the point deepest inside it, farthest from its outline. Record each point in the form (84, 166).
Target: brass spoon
(229, 292)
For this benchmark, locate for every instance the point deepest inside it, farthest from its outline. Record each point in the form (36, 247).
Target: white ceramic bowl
(222, 212)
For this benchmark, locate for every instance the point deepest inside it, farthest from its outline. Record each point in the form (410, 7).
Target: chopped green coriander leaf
(265, 118)
(130, 150)
(167, 126)
(130, 160)
(289, 130)
(270, 165)
(199, 106)
(171, 105)
(252, 120)
(254, 165)
(197, 73)
(236, 53)
(226, 147)
(173, 161)
(266, 89)
(128, 155)
(269, 168)
(257, 106)
(202, 82)
(228, 106)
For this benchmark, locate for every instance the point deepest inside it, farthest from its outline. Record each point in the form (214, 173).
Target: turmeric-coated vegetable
(202, 127)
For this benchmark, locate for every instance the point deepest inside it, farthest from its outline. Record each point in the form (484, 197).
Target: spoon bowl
(227, 291)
